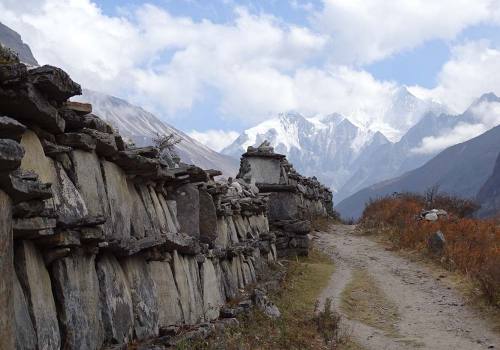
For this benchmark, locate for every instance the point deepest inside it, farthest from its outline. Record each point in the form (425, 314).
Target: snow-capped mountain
(140, 126)
(344, 153)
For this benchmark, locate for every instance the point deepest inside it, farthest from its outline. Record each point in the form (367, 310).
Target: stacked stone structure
(294, 200)
(102, 244)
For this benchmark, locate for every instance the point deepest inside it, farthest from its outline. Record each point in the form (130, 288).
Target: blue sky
(221, 66)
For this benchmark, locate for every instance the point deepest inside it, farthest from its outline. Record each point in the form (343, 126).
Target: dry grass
(364, 301)
(472, 246)
(298, 326)
(323, 224)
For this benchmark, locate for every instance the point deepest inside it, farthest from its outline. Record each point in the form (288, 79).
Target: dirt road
(431, 314)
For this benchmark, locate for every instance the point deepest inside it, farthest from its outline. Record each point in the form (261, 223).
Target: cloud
(366, 31)
(471, 71)
(214, 139)
(480, 118)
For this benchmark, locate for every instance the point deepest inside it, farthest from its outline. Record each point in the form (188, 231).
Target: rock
(6, 273)
(299, 227)
(105, 143)
(37, 287)
(188, 208)
(212, 298)
(77, 140)
(116, 301)
(33, 227)
(52, 150)
(265, 305)
(11, 129)
(208, 218)
(90, 183)
(141, 224)
(66, 238)
(169, 308)
(436, 242)
(13, 73)
(143, 292)
(118, 227)
(283, 206)
(11, 154)
(79, 108)
(431, 216)
(25, 334)
(91, 121)
(54, 83)
(77, 295)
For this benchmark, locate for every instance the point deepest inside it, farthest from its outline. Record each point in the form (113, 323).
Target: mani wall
(103, 244)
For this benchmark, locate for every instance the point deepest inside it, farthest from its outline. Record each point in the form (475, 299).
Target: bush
(7, 56)
(472, 246)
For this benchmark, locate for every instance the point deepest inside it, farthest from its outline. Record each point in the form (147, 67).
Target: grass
(472, 246)
(300, 326)
(364, 301)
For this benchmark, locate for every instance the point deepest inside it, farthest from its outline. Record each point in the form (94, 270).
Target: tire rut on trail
(431, 314)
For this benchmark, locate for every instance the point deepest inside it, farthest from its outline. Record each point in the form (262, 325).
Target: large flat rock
(116, 301)
(77, 294)
(25, 334)
(37, 287)
(6, 274)
(143, 292)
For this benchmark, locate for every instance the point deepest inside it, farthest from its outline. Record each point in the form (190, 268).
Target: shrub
(472, 246)
(7, 56)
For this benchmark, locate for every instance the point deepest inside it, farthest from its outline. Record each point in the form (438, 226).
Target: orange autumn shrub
(472, 245)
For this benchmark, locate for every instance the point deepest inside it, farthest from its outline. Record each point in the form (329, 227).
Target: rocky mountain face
(141, 126)
(103, 244)
(13, 41)
(461, 169)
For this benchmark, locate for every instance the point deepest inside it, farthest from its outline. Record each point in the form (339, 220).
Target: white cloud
(481, 117)
(366, 31)
(471, 71)
(214, 139)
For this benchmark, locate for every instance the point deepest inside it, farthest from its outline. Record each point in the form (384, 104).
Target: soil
(431, 314)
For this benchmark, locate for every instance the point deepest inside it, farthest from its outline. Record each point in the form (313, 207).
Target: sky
(215, 68)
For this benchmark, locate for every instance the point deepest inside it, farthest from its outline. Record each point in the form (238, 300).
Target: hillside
(461, 169)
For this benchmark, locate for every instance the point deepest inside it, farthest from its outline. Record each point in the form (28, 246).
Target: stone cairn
(294, 200)
(102, 244)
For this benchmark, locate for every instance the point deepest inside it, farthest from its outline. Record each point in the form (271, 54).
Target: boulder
(77, 295)
(144, 300)
(54, 83)
(265, 305)
(116, 301)
(79, 108)
(37, 287)
(436, 242)
(141, 225)
(23, 186)
(105, 143)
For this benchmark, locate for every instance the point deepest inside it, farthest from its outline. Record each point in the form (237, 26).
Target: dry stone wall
(294, 200)
(103, 244)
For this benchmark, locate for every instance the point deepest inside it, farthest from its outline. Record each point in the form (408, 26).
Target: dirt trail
(432, 315)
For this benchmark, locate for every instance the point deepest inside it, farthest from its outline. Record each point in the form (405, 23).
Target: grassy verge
(364, 301)
(299, 326)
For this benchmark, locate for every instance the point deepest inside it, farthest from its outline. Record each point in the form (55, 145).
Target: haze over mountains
(353, 157)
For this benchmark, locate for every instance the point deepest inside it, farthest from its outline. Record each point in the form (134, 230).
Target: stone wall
(294, 200)
(104, 244)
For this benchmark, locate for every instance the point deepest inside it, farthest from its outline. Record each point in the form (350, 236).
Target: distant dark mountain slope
(489, 194)
(460, 169)
(13, 41)
(140, 126)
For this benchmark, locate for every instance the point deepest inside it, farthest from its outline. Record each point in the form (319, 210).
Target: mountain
(489, 194)
(344, 153)
(141, 126)
(461, 169)
(327, 146)
(13, 41)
